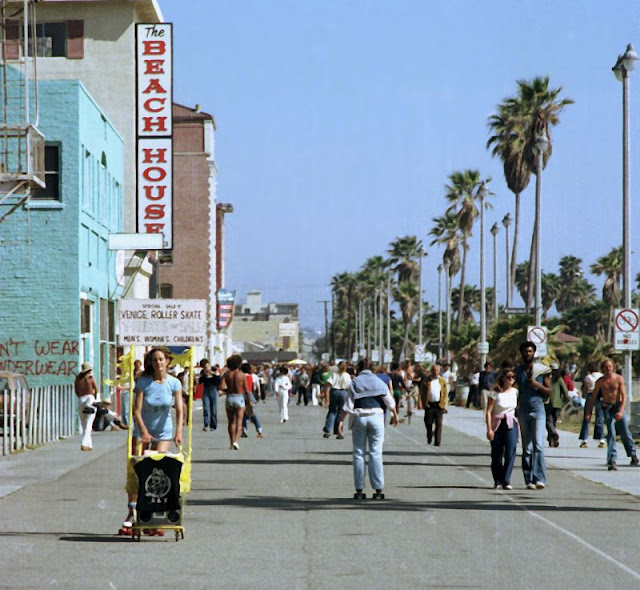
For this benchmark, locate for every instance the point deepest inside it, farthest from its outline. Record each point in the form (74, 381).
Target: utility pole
(326, 325)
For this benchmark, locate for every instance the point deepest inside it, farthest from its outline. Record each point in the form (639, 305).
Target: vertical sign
(154, 128)
(226, 300)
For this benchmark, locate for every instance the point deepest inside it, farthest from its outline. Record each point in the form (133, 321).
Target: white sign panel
(538, 335)
(154, 128)
(287, 329)
(627, 329)
(375, 356)
(388, 355)
(162, 322)
(483, 347)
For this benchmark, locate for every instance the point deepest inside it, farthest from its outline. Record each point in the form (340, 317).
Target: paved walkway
(56, 459)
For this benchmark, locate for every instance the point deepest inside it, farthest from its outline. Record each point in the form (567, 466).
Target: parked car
(15, 382)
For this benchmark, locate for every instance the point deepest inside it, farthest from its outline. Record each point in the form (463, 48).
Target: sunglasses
(510, 376)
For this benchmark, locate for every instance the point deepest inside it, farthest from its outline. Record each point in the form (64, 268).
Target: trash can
(634, 418)
(462, 394)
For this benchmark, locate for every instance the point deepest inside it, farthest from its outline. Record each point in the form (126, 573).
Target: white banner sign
(162, 322)
(154, 129)
(287, 329)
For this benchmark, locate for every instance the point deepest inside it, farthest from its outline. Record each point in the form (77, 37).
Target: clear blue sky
(340, 120)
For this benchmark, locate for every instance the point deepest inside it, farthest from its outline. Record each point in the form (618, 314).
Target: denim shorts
(235, 400)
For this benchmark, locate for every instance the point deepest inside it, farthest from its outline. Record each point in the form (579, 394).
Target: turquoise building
(58, 280)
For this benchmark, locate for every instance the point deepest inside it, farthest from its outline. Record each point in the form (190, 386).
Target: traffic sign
(626, 329)
(538, 335)
(483, 347)
(519, 310)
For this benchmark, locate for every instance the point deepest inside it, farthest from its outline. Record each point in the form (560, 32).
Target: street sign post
(519, 310)
(538, 335)
(483, 347)
(626, 335)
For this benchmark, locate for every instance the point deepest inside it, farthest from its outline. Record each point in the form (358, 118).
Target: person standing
(339, 384)
(449, 378)
(303, 386)
(86, 390)
(210, 381)
(485, 383)
(502, 428)
(611, 390)
(474, 387)
(433, 397)
(367, 399)
(234, 385)
(282, 387)
(554, 404)
(398, 384)
(588, 385)
(532, 380)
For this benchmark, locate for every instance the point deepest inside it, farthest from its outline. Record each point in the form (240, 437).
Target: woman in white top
(502, 428)
(339, 383)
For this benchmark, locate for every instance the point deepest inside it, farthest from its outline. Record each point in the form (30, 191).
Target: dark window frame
(51, 192)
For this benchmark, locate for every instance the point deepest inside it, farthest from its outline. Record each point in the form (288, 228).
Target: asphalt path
(278, 513)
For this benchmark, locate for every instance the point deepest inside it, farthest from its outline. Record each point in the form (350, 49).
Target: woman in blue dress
(156, 393)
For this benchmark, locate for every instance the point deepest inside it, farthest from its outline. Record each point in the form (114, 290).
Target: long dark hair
(500, 379)
(148, 365)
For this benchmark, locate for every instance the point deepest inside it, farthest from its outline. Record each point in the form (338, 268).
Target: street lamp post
(625, 64)
(439, 311)
(539, 148)
(506, 221)
(420, 305)
(447, 266)
(483, 294)
(494, 232)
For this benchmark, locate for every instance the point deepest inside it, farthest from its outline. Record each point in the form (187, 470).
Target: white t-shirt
(474, 379)
(590, 381)
(434, 391)
(506, 401)
(340, 380)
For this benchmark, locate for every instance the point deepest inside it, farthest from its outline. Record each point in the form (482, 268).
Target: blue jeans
(623, 431)
(336, 403)
(598, 428)
(254, 420)
(503, 452)
(533, 430)
(368, 430)
(210, 407)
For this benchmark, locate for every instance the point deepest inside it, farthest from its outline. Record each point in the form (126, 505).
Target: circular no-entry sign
(537, 335)
(626, 320)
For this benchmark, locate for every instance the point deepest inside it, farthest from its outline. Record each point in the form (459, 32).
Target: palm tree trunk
(514, 247)
(405, 342)
(462, 279)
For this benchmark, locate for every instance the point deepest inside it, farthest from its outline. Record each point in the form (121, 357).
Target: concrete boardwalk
(278, 514)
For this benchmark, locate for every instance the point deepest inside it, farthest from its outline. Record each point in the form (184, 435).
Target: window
(51, 191)
(166, 291)
(51, 40)
(59, 39)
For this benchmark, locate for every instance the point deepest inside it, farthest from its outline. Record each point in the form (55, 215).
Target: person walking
(485, 383)
(253, 386)
(554, 404)
(210, 380)
(532, 380)
(610, 389)
(474, 388)
(339, 384)
(502, 428)
(316, 382)
(282, 387)
(367, 399)
(303, 386)
(433, 397)
(86, 389)
(234, 385)
(588, 385)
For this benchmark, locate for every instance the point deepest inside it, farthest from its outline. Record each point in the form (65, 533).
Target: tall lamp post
(625, 64)
(539, 148)
(506, 221)
(447, 266)
(483, 294)
(439, 311)
(494, 232)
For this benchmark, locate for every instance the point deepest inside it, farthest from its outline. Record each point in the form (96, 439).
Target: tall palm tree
(406, 294)
(445, 231)
(520, 120)
(343, 287)
(574, 288)
(404, 255)
(610, 266)
(551, 287)
(464, 190)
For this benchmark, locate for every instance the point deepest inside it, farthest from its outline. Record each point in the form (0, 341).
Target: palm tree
(404, 255)
(551, 287)
(343, 287)
(574, 288)
(610, 265)
(464, 190)
(445, 231)
(520, 120)
(406, 294)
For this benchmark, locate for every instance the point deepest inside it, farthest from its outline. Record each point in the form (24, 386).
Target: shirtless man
(86, 390)
(235, 386)
(611, 391)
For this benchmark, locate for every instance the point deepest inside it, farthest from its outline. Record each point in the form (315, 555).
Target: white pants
(283, 404)
(86, 420)
(315, 390)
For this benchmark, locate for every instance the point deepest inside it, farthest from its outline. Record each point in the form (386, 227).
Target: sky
(339, 122)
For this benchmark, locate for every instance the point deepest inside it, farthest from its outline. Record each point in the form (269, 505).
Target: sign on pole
(483, 347)
(419, 353)
(162, 322)
(626, 329)
(538, 335)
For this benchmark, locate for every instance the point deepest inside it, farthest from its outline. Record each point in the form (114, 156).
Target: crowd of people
(518, 402)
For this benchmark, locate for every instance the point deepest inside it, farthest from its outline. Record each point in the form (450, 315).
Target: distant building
(265, 327)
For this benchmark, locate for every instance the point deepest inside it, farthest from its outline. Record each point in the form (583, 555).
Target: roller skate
(359, 495)
(378, 495)
(126, 530)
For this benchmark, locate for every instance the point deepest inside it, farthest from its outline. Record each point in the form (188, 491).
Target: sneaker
(83, 448)
(339, 437)
(244, 435)
(583, 444)
(326, 435)
(634, 461)
(531, 486)
(507, 486)
(205, 429)
(602, 444)
(540, 486)
(235, 446)
(612, 466)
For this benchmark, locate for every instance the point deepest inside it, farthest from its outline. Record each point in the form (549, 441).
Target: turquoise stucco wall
(53, 254)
